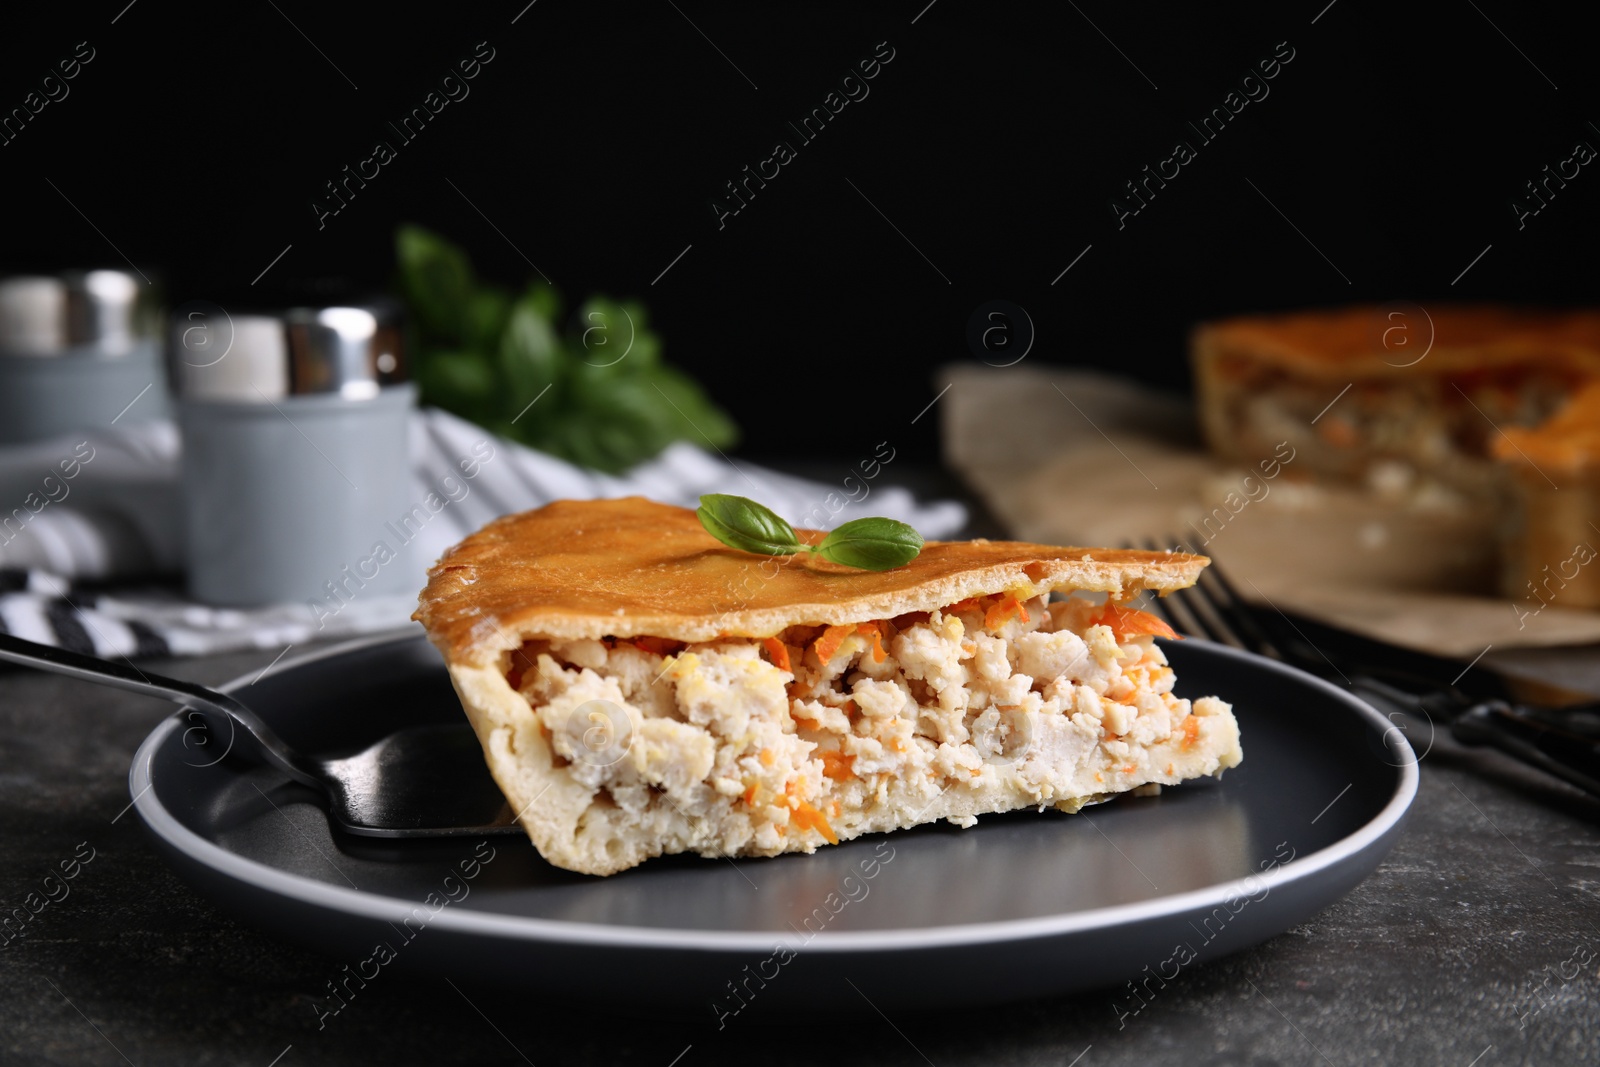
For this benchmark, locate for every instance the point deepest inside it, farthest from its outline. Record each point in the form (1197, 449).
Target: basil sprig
(490, 355)
(867, 544)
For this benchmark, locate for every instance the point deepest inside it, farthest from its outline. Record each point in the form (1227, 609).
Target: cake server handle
(1569, 756)
(224, 720)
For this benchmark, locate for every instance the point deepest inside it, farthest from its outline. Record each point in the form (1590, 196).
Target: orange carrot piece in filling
(831, 639)
(999, 612)
(1130, 622)
(808, 818)
(837, 765)
(779, 653)
(874, 630)
(827, 646)
(1191, 731)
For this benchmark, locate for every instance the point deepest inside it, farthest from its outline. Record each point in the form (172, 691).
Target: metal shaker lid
(351, 351)
(77, 312)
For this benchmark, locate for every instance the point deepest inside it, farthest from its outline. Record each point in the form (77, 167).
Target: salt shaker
(78, 351)
(295, 453)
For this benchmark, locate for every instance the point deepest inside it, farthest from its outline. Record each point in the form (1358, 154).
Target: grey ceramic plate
(1029, 904)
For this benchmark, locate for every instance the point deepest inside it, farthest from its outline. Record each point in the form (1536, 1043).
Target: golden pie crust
(634, 567)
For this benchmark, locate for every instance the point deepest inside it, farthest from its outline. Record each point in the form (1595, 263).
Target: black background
(197, 138)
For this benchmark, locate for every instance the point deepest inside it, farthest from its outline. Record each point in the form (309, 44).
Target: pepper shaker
(295, 452)
(78, 351)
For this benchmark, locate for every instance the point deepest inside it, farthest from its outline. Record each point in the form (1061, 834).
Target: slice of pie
(641, 689)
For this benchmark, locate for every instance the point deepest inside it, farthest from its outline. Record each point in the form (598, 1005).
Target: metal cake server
(423, 781)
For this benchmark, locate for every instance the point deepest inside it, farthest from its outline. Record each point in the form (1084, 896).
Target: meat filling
(792, 741)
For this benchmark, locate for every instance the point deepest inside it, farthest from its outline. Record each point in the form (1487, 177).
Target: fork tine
(1195, 614)
(1172, 612)
(1173, 608)
(1209, 606)
(1223, 600)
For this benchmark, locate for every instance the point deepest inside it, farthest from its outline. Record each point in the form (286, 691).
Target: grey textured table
(1477, 942)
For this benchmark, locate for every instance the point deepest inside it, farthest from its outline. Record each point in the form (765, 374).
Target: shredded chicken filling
(773, 737)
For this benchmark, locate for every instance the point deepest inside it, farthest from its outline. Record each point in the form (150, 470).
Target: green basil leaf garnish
(746, 525)
(871, 544)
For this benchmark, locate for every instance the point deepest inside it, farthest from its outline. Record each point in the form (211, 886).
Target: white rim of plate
(362, 904)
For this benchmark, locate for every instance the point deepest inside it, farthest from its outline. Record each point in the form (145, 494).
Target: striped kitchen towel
(78, 551)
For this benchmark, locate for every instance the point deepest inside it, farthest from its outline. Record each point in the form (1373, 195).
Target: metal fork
(1213, 609)
(1203, 610)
